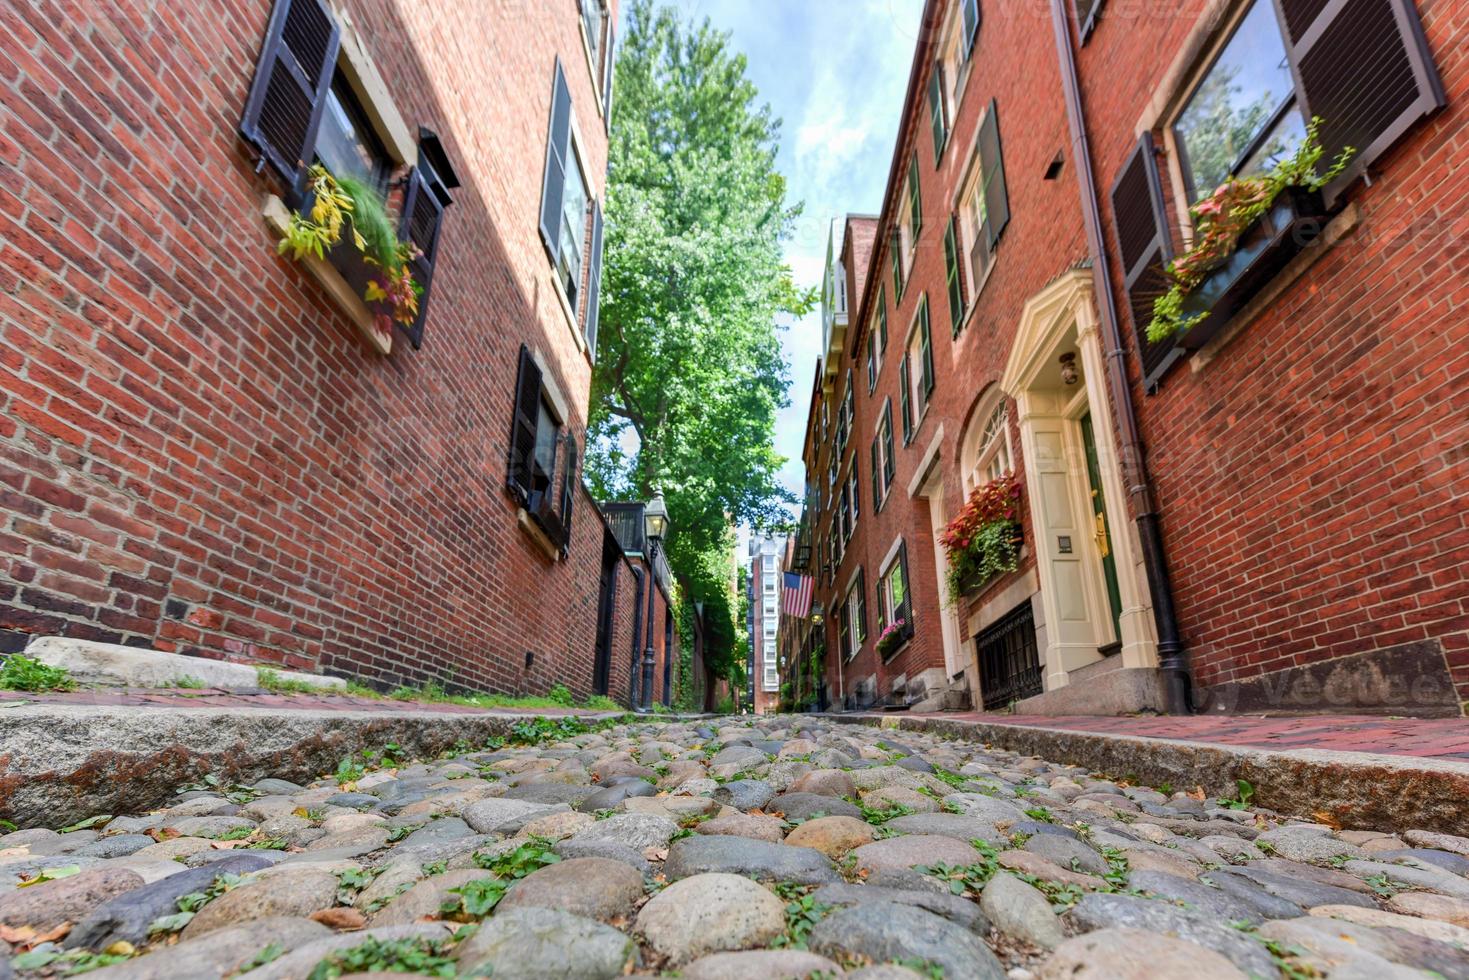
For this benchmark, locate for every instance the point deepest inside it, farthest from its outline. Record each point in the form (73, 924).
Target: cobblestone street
(791, 847)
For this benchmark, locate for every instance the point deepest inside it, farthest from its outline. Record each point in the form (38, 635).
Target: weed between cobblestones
(420, 955)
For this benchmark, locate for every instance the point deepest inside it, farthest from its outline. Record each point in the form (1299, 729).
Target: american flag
(797, 601)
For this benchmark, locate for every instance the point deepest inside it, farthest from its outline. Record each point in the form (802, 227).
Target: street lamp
(655, 526)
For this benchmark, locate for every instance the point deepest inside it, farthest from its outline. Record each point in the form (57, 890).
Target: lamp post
(655, 526)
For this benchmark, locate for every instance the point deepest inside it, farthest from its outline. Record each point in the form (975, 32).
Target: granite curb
(1358, 790)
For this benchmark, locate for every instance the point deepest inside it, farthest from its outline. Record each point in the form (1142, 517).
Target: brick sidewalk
(1424, 738)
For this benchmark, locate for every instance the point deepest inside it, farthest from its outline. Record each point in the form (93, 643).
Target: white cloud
(838, 82)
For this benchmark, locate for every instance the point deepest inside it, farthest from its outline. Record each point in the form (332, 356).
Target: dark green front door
(1101, 534)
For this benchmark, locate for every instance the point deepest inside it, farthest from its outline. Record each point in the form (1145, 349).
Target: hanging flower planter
(1245, 233)
(893, 637)
(983, 542)
(1265, 247)
(371, 258)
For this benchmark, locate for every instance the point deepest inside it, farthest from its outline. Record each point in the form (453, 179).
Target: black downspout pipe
(634, 696)
(1173, 657)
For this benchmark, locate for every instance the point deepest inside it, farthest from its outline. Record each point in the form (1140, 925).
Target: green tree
(689, 374)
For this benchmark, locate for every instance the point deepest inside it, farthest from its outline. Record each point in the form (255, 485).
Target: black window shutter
(876, 477)
(594, 282)
(951, 270)
(971, 26)
(1364, 67)
(915, 197)
(861, 600)
(523, 426)
(423, 216)
(283, 111)
(936, 111)
(905, 382)
(608, 72)
(992, 170)
(568, 490)
(558, 145)
(1145, 247)
(871, 361)
(926, 346)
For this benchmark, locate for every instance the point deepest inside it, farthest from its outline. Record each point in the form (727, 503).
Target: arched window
(986, 454)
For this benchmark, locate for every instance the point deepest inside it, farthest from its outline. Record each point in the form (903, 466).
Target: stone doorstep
(114, 665)
(1359, 790)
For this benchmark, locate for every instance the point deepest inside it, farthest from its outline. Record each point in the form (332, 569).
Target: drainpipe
(1173, 658)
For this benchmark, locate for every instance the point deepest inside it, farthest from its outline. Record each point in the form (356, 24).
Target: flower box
(1293, 221)
(893, 638)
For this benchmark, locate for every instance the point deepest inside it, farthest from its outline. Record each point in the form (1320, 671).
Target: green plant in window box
(343, 203)
(1222, 218)
(983, 540)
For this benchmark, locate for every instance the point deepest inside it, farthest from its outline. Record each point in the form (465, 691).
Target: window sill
(530, 527)
(278, 219)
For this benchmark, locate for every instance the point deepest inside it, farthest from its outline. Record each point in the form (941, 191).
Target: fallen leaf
(340, 918)
(225, 845)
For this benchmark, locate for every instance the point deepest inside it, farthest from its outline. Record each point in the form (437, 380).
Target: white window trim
(594, 69)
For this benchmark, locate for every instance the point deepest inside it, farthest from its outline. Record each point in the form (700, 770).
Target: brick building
(1269, 506)
(211, 448)
(763, 595)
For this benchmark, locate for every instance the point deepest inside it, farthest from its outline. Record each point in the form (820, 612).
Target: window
(938, 110)
(304, 109)
(984, 208)
(846, 512)
(856, 609)
(910, 223)
(894, 600)
(877, 340)
(346, 144)
(882, 457)
(841, 290)
(539, 445)
(592, 19)
(852, 489)
(844, 632)
(566, 214)
(1242, 118)
(917, 371)
(986, 453)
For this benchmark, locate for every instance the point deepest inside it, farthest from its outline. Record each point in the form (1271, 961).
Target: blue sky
(835, 73)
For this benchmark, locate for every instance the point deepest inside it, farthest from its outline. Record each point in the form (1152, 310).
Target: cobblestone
(921, 858)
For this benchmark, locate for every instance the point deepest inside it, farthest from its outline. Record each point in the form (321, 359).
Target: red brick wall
(197, 451)
(1312, 476)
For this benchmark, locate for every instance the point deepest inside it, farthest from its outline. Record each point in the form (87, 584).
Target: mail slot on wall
(1063, 544)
